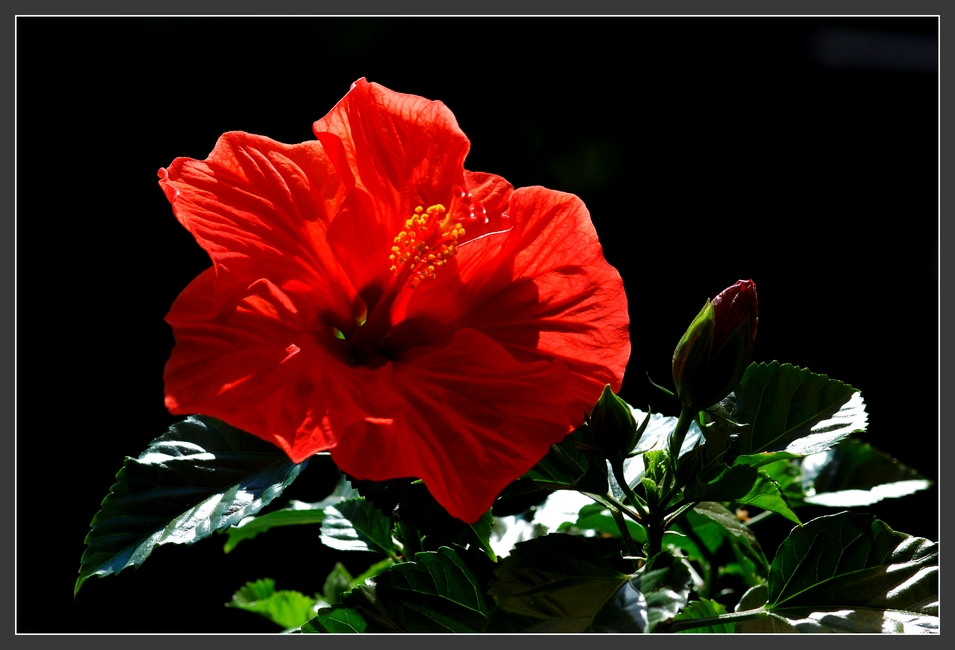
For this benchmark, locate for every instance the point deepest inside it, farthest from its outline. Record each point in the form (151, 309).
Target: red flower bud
(713, 354)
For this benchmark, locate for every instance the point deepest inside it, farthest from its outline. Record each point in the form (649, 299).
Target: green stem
(611, 503)
(674, 513)
(632, 549)
(722, 619)
(765, 514)
(655, 529)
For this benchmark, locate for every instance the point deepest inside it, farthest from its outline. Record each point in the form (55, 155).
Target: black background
(707, 150)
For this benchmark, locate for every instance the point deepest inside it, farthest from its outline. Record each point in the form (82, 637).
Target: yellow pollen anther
(428, 241)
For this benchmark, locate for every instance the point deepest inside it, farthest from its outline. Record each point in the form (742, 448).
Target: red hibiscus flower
(371, 297)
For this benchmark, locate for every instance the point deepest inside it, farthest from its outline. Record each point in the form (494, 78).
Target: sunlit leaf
(296, 513)
(288, 609)
(357, 525)
(848, 572)
(767, 495)
(786, 408)
(200, 477)
(855, 474)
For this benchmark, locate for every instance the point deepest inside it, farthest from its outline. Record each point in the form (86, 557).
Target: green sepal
(614, 428)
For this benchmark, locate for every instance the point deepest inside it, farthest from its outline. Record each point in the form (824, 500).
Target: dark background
(801, 153)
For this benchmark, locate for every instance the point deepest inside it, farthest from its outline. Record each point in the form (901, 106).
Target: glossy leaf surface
(357, 525)
(787, 408)
(853, 573)
(296, 513)
(200, 477)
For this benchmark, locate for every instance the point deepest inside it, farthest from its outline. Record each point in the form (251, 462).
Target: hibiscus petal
(260, 209)
(403, 149)
(255, 367)
(476, 418)
(494, 194)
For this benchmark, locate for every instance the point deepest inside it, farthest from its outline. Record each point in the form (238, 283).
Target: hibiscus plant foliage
(450, 348)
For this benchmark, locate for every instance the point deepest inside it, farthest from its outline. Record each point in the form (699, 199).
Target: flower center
(429, 240)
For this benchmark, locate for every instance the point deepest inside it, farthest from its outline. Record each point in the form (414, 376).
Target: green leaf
(665, 582)
(559, 583)
(786, 408)
(727, 524)
(766, 494)
(357, 525)
(296, 513)
(855, 474)
(360, 611)
(289, 609)
(841, 620)
(337, 620)
(731, 484)
(572, 464)
(482, 530)
(704, 608)
(435, 593)
(199, 477)
(788, 477)
(764, 458)
(848, 572)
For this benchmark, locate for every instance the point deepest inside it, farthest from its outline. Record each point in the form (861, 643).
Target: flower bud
(713, 354)
(613, 425)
